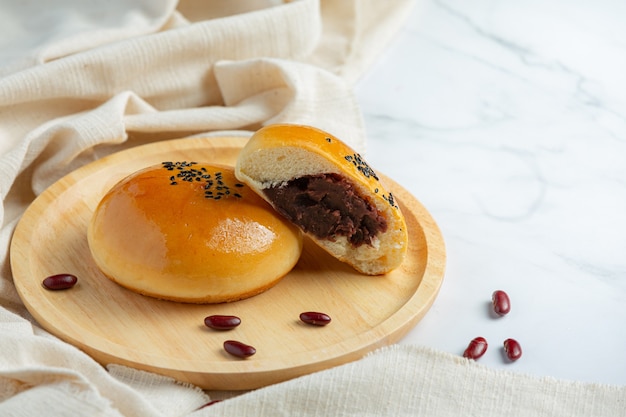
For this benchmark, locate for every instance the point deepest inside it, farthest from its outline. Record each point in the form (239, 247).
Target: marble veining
(507, 120)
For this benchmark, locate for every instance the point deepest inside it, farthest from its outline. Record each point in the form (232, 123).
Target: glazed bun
(190, 232)
(329, 191)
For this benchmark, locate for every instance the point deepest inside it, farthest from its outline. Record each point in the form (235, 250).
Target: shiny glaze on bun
(191, 232)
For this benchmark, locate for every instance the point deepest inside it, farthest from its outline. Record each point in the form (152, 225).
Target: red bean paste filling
(327, 206)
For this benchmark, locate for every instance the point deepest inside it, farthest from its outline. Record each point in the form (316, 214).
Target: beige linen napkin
(412, 381)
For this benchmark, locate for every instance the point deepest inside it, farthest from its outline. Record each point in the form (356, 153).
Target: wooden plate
(115, 325)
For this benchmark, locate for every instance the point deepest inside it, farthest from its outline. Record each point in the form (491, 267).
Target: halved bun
(329, 191)
(190, 232)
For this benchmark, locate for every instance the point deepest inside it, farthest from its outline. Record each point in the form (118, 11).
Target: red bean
(513, 349)
(219, 322)
(501, 302)
(60, 282)
(210, 403)
(476, 348)
(315, 318)
(239, 349)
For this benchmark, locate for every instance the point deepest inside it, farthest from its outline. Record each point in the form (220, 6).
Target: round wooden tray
(115, 325)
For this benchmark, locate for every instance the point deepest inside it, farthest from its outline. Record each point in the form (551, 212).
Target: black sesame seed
(391, 200)
(361, 165)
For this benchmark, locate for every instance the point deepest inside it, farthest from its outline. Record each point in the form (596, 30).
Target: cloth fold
(36, 35)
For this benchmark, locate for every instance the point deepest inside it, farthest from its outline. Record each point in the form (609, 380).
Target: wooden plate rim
(394, 327)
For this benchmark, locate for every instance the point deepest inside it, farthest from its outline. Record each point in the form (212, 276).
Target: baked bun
(190, 232)
(329, 191)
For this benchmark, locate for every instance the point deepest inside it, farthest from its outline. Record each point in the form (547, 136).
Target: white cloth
(413, 381)
(82, 79)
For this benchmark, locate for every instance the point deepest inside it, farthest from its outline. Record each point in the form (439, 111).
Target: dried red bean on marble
(513, 349)
(476, 348)
(60, 282)
(222, 322)
(239, 349)
(315, 318)
(501, 302)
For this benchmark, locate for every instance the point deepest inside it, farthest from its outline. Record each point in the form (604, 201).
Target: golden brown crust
(279, 153)
(209, 299)
(191, 232)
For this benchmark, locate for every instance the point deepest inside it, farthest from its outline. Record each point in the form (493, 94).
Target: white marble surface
(507, 120)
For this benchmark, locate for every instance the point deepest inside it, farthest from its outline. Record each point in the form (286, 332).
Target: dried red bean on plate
(239, 349)
(315, 318)
(60, 282)
(222, 322)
